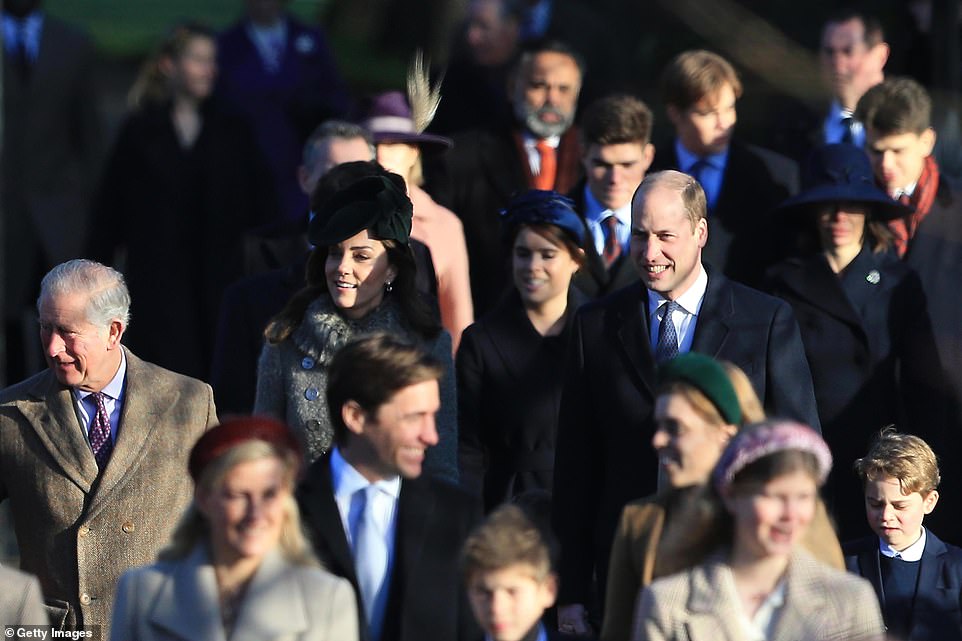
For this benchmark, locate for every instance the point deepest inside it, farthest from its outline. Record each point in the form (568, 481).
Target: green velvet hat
(708, 376)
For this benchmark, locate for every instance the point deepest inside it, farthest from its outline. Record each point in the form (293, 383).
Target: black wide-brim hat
(842, 173)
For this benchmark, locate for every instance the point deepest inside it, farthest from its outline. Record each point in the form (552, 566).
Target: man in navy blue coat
(604, 455)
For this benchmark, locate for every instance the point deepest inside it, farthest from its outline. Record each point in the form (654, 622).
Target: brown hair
(693, 75)
(372, 369)
(748, 402)
(692, 194)
(507, 537)
(615, 120)
(905, 457)
(896, 106)
(873, 34)
(554, 235)
(151, 84)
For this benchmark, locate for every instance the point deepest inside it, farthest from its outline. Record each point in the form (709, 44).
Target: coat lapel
(630, 324)
(512, 336)
(804, 600)
(53, 416)
(931, 575)
(135, 431)
(187, 603)
(274, 605)
(815, 283)
(712, 324)
(321, 513)
(871, 569)
(415, 512)
(713, 604)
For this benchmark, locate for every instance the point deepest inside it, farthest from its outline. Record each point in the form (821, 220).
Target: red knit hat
(235, 431)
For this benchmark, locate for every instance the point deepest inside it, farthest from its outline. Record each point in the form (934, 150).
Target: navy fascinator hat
(538, 206)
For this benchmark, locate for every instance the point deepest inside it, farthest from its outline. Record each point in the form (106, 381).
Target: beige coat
(700, 604)
(20, 600)
(178, 601)
(78, 533)
(635, 547)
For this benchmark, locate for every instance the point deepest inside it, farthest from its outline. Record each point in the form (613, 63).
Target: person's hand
(573, 619)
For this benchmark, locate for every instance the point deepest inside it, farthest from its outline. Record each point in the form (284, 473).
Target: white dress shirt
(911, 554)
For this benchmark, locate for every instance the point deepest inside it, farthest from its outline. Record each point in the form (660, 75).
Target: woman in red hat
(238, 566)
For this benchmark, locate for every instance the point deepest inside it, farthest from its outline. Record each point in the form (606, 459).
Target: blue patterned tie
(370, 561)
(101, 441)
(667, 347)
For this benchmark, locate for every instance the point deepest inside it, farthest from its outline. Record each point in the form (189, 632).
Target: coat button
(311, 393)
(83, 531)
(128, 527)
(307, 362)
(85, 598)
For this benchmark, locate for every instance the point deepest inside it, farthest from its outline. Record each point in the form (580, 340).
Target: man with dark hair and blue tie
(742, 182)
(375, 520)
(604, 456)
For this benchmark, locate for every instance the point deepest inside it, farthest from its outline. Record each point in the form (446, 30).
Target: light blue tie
(370, 560)
(667, 347)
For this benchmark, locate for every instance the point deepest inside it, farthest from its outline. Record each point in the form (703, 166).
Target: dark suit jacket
(937, 613)
(52, 150)
(426, 601)
(856, 344)
(479, 176)
(509, 395)
(282, 107)
(743, 238)
(604, 455)
(593, 279)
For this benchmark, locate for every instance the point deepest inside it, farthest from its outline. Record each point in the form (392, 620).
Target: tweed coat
(77, 531)
(635, 549)
(21, 602)
(701, 604)
(178, 600)
(292, 378)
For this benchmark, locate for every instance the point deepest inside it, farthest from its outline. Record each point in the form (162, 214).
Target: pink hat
(389, 119)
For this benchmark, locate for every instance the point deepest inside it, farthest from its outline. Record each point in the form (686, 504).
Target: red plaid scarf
(921, 199)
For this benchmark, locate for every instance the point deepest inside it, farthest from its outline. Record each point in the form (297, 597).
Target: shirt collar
(686, 158)
(115, 388)
(14, 27)
(530, 140)
(690, 300)
(911, 554)
(346, 480)
(596, 212)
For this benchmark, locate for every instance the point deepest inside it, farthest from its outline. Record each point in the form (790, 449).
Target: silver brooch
(873, 277)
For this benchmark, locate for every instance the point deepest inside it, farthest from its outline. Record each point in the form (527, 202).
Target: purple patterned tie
(100, 440)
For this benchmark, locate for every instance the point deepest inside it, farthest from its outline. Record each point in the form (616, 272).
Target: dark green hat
(709, 377)
(374, 203)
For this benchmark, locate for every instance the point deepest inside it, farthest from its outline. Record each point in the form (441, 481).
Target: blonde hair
(151, 84)
(194, 529)
(905, 457)
(507, 537)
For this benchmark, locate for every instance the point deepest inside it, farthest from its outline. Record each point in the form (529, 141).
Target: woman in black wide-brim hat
(856, 304)
(360, 280)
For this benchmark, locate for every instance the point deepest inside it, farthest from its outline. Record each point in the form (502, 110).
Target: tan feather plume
(423, 97)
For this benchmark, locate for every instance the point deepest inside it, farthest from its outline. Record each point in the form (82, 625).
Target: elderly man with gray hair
(93, 450)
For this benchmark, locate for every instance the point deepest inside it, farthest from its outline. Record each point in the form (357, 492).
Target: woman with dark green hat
(360, 279)
(700, 405)
(856, 305)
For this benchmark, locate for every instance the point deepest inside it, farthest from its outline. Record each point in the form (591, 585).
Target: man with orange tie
(541, 151)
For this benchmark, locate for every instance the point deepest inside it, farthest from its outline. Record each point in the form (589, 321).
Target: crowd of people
(510, 373)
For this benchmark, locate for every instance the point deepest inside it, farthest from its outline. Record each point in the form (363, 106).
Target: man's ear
(114, 332)
(353, 416)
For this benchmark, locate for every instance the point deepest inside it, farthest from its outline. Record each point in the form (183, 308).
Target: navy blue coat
(937, 614)
(604, 456)
(854, 329)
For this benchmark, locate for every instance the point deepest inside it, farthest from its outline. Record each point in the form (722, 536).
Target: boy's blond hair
(507, 537)
(900, 456)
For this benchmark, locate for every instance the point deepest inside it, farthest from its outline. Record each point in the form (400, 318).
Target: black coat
(604, 455)
(854, 329)
(180, 215)
(594, 280)
(509, 395)
(743, 239)
(937, 611)
(426, 601)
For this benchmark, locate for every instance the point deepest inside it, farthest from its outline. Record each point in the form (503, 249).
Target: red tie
(549, 166)
(612, 245)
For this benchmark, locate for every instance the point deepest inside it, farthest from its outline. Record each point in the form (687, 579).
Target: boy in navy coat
(917, 577)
